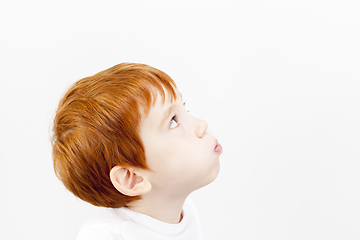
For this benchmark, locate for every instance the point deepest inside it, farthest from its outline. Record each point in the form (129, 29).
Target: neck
(165, 209)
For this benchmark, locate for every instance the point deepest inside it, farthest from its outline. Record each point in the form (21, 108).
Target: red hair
(96, 128)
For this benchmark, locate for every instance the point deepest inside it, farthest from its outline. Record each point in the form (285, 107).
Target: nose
(201, 127)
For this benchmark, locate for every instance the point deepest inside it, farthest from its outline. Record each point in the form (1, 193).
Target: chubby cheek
(185, 154)
(159, 155)
(192, 168)
(193, 157)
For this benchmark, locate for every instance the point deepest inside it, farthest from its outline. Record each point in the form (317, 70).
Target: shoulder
(98, 233)
(105, 225)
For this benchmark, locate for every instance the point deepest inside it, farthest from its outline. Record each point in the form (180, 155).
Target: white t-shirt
(126, 224)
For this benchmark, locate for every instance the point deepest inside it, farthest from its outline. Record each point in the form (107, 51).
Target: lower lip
(218, 148)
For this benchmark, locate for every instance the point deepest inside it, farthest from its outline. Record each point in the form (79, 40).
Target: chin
(213, 174)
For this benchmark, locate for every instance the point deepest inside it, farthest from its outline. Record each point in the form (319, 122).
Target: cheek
(161, 155)
(179, 154)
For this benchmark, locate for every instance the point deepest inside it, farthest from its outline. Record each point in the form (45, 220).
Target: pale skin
(182, 154)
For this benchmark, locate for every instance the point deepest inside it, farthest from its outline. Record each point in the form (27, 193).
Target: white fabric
(126, 224)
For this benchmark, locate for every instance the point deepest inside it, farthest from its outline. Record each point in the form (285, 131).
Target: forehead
(154, 93)
(160, 107)
(162, 101)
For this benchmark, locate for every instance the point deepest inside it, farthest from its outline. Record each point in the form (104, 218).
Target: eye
(173, 122)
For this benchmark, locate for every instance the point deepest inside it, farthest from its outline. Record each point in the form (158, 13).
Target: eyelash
(184, 104)
(174, 118)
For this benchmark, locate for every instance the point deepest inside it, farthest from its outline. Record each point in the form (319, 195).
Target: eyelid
(174, 118)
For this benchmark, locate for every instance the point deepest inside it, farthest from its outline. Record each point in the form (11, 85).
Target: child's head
(130, 116)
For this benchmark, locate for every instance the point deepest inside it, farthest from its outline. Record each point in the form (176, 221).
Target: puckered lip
(218, 148)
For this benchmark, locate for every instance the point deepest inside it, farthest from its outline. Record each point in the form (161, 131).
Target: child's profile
(123, 140)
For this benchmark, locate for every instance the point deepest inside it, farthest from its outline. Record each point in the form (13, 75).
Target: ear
(129, 182)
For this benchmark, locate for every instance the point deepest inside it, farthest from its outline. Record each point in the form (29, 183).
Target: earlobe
(129, 182)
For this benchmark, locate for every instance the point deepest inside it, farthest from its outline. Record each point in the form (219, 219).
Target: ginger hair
(96, 127)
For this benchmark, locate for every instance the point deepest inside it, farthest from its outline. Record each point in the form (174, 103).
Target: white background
(277, 81)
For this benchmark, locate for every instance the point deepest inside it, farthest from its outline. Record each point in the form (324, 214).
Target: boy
(124, 140)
